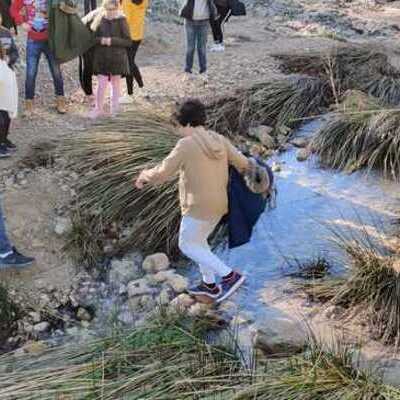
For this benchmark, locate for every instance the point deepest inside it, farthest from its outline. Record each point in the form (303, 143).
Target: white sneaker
(217, 48)
(127, 99)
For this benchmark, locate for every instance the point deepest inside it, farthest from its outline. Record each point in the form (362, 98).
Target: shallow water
(309, 200)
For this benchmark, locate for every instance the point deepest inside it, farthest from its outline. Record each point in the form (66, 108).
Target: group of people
(201, 157)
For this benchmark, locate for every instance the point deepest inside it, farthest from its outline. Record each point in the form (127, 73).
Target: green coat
(5, 14)
(69, 37)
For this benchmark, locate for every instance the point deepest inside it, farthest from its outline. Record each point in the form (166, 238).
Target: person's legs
(33, 53)
(55, 70)
(190, 45)
(102, 82)
(5, 245)
(201, 38)
(9, 255)
(217, 28)
(193, 243)
(135, 72)
(4, 125)
(116, 93)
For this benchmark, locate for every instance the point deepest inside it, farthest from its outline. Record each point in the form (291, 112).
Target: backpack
(238, 9)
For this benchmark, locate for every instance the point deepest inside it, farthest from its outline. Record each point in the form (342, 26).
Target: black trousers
(86, 60)
(5, 122)
(217, 25)
(90, 5)
(135, 72)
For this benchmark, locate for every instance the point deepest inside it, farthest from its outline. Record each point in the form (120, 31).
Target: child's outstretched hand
(141, 180)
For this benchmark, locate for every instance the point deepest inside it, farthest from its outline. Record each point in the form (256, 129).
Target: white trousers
(193, 243)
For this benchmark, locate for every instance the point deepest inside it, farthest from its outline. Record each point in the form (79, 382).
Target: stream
(310, 199)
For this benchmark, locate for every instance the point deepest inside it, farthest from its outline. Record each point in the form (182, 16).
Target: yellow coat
(135, 15)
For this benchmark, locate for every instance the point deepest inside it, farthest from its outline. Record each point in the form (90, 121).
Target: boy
(32, 16)
(8, 101)
(202, 159)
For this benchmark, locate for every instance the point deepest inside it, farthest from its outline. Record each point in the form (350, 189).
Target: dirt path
(30, 205)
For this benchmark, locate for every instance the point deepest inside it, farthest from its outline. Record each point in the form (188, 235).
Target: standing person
(8, 89)
(197, 15)
(110, 58)
(9, 255)
(217, 25)
(135, 13)
(32, 16)
(202, 159)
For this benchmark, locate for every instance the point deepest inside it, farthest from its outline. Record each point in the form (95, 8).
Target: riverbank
(38, 200)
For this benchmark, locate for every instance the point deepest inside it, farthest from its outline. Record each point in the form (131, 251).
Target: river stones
(280, 337)
(182, 301)
(156, 263)
(139, 287)
(303, 154)
(124, 270)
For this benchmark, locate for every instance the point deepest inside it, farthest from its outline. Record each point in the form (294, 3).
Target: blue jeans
(34, 50)
(196, 36)
(5, 245)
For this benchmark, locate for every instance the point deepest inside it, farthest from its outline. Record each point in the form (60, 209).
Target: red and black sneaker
(205, 290)
(230, 284)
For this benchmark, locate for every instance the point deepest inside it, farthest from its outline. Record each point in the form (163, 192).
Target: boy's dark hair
(191, 112)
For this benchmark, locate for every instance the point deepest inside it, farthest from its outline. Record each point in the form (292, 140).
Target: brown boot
(28, 110)
(61, 105)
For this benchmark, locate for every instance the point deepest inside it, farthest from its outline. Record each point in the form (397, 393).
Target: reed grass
(281, 104)
(355, 138)
(109, 157)
(9, 314)
(349, 67)
(171, 359)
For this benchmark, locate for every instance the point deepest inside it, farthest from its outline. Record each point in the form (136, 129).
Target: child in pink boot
(110, 60)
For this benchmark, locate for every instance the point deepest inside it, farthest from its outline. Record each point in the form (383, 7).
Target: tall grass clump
(371, 285)
(108, 157)
(171, 359)
(167, 359)
(329, 373)
(363, 139)
(349, 67)
(9, 315)
(280, 103)
(374, 283)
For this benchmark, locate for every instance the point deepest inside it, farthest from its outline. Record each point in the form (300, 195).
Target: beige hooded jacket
(202, 161)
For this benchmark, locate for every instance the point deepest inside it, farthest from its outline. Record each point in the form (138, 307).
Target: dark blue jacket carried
(245, 207)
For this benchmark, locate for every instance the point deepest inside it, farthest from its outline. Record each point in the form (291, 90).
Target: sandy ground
(30, 207)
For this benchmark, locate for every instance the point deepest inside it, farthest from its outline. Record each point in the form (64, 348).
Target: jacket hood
(211, 144)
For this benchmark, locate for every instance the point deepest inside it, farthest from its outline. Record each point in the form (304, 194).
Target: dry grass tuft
(349, 67)
(281, 104)
(109, 157)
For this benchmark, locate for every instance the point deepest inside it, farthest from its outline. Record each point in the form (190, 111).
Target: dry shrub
(109, 156)
(279, 103)
(350, 67)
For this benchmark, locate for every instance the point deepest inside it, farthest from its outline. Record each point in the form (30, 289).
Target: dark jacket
(112, 60)
(188, 9)
(5, 14)
(245, 206)
(8, 44)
